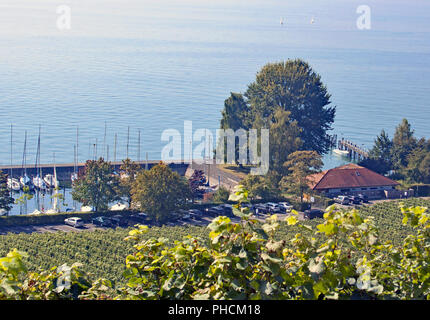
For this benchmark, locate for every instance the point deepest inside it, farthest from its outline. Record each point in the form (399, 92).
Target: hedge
(421, 190)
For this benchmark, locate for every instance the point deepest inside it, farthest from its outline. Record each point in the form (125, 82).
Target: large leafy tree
(128, 173)
(5, 198)
(295, 87)
(96, 186)
(259, 187)
(300, 165)
(160, 191)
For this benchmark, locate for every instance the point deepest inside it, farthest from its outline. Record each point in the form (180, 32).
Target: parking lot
(201, 219)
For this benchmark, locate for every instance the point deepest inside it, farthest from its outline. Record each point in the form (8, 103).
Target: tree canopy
(160, 191)
(97, 186)
(300, 164)
(292, 86)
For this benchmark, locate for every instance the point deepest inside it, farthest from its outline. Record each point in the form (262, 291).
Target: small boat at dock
(39, 183)
(50, 181)
(13, 184)
(341, 152)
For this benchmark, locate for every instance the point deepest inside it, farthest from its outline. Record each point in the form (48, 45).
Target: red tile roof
(348, 176)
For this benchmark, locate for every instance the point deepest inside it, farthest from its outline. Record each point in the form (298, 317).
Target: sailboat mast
(128, 139)
(77, 144)
(104, 142)
(114, 148)
(24, 156)
(138, 147)
(11, 157)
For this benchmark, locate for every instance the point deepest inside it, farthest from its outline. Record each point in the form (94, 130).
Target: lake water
(151, 65)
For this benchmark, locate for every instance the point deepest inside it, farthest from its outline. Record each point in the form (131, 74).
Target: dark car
(227, 208)
(196, 212)
(354, 200)
(137, 218)
(363, 198)
(261, 209)
(119, 220)
(102, 222)
(214, 211)
(313, 213)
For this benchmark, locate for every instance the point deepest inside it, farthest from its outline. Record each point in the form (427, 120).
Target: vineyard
(103, 252)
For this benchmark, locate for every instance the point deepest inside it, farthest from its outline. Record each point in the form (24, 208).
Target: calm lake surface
(151, 65)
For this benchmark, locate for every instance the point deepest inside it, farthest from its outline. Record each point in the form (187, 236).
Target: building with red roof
(352, 179)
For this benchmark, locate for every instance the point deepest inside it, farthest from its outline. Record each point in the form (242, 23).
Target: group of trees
(408, 156)
(290, 100)
(157, 191)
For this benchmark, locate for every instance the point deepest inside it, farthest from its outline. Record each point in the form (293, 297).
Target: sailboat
(55, 208)
(37, 180)
(50, 180)
(24, 180)
(13, 184)
(312, 20)
(282, 21)
(74, 175)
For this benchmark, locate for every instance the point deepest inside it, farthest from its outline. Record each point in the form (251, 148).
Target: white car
(74, 222)
(286, 206)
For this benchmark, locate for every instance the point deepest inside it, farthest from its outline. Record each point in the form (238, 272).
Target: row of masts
(49, 181)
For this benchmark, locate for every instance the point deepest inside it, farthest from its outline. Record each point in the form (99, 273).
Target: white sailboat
(312, 20)
(13, 184)
(50, 181)
(39, 183)
(55, 208)
(282, 21)
(25, 180)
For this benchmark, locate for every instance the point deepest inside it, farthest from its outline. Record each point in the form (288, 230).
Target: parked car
(228, 208)
(74, 222)
(196, 212)
(363, 198)
(285, 206)
(354, 200)
(274, 207)
(261, 209)
(119, 220)
(342, 199)
(313, 213)
(102, 221)
(136, 219)
(214, 211)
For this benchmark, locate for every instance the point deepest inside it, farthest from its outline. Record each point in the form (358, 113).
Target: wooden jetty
(354, 150)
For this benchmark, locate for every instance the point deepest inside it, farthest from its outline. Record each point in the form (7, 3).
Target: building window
(344, 190)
